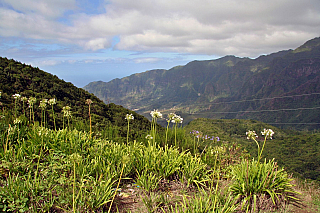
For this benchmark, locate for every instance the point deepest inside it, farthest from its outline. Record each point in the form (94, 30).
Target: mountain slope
(18, 78)
(219, 88)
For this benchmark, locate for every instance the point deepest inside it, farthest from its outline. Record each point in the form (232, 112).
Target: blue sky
(82, 41)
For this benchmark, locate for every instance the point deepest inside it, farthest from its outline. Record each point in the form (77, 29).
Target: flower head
(66, 111)
(52, 101)
(129, 117)
(155, 114)
(251, 134)
(268, 133)
(177, 119)
(31, 101)
(149, 137)
(88, 101)
(16, 96)
(171, 116)
(23, 99)
(17, 121)
(43, 104)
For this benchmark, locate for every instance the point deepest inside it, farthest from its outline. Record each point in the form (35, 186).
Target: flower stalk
(155, 114)
(89, 102)
(52, 102)
(128, 118)
(268, 133)
(176, 119)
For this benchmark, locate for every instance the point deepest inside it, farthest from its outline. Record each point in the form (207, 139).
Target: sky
(82, 41)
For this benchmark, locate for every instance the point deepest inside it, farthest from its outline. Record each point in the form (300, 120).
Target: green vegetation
(58, 154)
(36, 86)
(45, 170)
(297, 151)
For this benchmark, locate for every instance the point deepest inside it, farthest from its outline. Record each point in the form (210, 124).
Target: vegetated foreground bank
(55, 159)
(47, 170)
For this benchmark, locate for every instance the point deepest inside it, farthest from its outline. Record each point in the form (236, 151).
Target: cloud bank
(213, 27)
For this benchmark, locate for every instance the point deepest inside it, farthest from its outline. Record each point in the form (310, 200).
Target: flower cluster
(17, 121)
(251, 134)
(129, 117)
(195, 133)
(88, 101)
(16, 96)
(52, 101)
(43, 104)
(171, 116)
(155, 114)
(217, 150)
(268, 133)
(23, 99)
(31, 101)
(149, 137)
(198, 134)
(177, 119)
(66, 111)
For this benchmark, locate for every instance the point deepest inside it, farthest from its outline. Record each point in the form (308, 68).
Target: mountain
(228, 87)
(28, 81)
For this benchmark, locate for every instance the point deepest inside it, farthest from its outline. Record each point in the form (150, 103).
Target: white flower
(24, 99)
(43, 104)
(129, 117)
(16, 96)
(171, 116)
(66, 111)
(177, 119)
(149, 137)
(268, 133)
(31, 101)
(89, 101)
(155, 114)
(52, 101)
(251, 134)
(17, 121)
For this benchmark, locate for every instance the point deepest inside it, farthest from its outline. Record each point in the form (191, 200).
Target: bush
(261, 186)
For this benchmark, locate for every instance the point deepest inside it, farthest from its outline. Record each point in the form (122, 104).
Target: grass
(68, 170)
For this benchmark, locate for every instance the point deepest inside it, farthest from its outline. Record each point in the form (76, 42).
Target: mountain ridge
(198, 86)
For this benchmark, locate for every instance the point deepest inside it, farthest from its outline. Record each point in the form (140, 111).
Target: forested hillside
(27, 81)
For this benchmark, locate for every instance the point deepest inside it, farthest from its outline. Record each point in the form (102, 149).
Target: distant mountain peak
(197, 88)
(309, 45)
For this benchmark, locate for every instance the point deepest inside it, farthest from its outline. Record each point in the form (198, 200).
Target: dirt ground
(133, 199)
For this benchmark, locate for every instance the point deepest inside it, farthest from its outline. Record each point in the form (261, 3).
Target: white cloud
(47, 8)
(217, 27)
(97, 44)
(47, 63)
(146, 60)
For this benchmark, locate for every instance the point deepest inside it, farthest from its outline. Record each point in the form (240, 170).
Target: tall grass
(73, 170)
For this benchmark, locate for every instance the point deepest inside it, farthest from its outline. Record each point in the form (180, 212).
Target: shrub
(261, 186)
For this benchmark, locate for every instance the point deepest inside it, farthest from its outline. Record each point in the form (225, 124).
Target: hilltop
(28, 81)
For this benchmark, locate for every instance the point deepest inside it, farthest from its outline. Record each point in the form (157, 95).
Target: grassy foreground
(68, 170)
